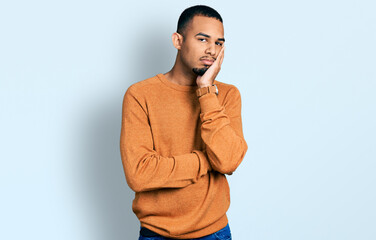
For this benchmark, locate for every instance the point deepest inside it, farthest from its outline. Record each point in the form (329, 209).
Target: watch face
(214, 89)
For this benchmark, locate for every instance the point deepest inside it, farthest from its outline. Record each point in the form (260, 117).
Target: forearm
(150, 171)
(221, 131)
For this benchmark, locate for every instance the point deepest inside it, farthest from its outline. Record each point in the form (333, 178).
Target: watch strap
(209, 89)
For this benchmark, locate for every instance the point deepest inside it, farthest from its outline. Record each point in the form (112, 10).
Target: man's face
(204, 38)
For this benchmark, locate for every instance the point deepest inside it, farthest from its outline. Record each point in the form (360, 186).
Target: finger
(220, 57)
(223, 51)
(223, 55)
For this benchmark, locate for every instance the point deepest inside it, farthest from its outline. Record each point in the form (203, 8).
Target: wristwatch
(204, 90)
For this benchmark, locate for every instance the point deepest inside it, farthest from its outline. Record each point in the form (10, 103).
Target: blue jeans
(222, 234)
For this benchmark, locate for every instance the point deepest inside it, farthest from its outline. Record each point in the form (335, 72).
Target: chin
(199, 71)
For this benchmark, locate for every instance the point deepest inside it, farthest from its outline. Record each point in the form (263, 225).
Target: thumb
(198, 79)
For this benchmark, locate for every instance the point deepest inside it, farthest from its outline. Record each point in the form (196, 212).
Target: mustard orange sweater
(176, 149)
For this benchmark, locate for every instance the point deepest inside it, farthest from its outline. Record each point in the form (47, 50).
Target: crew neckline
(184, 88)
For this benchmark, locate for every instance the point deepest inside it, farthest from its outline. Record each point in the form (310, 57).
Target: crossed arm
(221, 131)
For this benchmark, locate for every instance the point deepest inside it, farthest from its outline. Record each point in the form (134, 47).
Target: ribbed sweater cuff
(209, 102)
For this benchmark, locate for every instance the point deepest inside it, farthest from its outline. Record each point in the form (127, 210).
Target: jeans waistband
(145, 232)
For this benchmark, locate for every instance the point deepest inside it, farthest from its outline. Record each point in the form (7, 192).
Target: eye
(202, 39)
(220, 44)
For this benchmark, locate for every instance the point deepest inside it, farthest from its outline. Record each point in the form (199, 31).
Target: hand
(210, 74)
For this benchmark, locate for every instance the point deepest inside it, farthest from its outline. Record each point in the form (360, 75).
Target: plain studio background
(306, 72)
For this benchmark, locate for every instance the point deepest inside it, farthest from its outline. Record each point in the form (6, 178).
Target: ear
(177, 40)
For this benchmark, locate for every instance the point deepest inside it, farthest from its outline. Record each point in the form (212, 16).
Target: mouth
(207, 61)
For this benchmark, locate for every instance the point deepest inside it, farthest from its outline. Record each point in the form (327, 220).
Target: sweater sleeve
(144, 168)
(221, 130)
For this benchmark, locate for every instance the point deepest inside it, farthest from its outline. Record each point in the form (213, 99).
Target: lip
(207, 61)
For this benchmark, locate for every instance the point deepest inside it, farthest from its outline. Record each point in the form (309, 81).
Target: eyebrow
(205, 35)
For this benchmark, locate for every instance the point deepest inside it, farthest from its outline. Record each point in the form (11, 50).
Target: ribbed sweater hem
(216, 226)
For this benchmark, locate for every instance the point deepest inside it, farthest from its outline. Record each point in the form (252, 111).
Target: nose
(211, 49)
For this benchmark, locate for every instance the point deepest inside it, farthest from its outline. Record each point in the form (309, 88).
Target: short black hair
(197, 10)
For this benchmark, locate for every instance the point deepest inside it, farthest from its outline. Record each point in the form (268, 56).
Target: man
(181, 133)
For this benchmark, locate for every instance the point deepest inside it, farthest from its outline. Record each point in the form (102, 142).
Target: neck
(181, 75)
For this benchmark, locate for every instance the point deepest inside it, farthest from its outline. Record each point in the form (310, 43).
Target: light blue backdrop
(306, 72)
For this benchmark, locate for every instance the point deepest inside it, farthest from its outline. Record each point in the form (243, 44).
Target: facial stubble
(200, 71)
